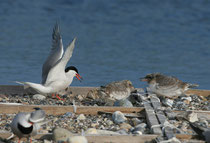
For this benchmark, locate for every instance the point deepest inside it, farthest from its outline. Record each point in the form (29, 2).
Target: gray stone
(47, 141)
(136, 121)
(168, 102)
(39, 97)
(123, 103)
(77, 139)
(125, 126)
(118, 117)
(122, 132)
(137, 132)
(68, 114)
(140, 127)
(61, 135)
(192, 117)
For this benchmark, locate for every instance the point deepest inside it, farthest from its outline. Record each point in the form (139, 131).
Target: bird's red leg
(30, 140)
(58, 97)
(18, 140)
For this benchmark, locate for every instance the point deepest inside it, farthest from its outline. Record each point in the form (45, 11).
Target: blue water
(116, 40)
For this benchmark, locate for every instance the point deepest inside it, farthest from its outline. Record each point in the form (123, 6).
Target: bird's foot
(57, 96)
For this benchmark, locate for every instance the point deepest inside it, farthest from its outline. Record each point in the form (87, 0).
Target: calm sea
(116, 40)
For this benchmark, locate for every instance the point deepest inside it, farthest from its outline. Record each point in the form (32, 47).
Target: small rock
(122, 132)
(47, 141)
(109, 102)
(68, 114)
(77, 139)
(137, 132)
(125, 126)
(123, 103)
(91, 131)
(136, 121)
(141, 127)
(39, 97)
(118, 117)
(94, 124)
(81, 117)
(109, 122)
(171, 115)
(80, 97)
(186, 98)
(168, 102)
(192, 117)
(61, 135)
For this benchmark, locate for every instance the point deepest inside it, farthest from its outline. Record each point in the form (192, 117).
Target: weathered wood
(151, 117)
(161, 115)
(198, 92)
(101, 139)
(116, 139)
(60, 110)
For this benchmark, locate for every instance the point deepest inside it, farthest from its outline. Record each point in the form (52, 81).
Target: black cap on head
(71, 68)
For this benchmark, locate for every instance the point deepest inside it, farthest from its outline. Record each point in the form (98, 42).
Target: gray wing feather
(59, 68)
(37, 116)
(55, 54)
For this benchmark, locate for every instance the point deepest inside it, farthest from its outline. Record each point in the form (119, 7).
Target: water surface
(116, 40)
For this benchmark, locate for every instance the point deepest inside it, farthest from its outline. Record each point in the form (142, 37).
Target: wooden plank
(101, 139)
(151, 117)
(201, 113)
(161, 115)
(60, 110)
(115, 138)
(198, 92)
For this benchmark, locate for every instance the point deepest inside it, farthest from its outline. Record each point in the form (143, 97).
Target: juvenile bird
(168, 86)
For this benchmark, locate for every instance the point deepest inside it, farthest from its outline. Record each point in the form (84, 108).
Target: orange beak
(79, 77)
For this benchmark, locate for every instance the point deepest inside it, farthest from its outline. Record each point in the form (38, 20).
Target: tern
(55, 76)
(167, 86)
(27, 124)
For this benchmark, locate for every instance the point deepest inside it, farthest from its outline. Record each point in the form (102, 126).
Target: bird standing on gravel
(55, 77)
(167, 86)
(27, 124)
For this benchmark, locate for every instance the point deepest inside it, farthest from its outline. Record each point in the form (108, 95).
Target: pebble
(122, 132)
(91, 131)
(136, 121)
(61, 135)
(193, 117)
(77, 139)
(123, 103)
(137, 132)
(81, 117)
(141, 127)
(118, 117)
(39, 97)
(168, 102)
(125, 126)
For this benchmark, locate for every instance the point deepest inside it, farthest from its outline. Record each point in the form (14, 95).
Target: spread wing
(55, 54)
(58, 71)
